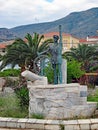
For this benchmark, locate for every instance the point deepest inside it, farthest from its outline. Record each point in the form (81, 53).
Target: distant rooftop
(50, 34)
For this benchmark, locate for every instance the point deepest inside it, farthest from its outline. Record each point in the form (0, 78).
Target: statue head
(55, 37)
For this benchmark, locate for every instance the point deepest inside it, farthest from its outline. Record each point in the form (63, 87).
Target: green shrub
(93, 97)
(23, 95)
(48, 72)
(37, 116)
(10, 72)
(74, 70)
(9, 107)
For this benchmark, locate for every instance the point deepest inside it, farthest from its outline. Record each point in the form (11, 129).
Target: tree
(84, 54)
(74, 71)
(23, 52)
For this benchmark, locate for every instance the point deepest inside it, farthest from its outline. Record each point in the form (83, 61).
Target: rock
(2, 83)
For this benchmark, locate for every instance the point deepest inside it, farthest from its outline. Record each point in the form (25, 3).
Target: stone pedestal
(60, 101)
(64, 71)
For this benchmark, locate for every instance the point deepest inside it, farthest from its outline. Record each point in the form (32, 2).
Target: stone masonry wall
(59, 101)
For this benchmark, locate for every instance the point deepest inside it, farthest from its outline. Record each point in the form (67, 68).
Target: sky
(22, 12)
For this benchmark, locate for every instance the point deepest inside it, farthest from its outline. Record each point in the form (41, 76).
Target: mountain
(6, 34)
(80, 24)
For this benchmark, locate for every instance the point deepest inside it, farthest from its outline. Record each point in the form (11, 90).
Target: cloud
(18, 12)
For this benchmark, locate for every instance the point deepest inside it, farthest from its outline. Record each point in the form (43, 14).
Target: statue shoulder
(51, 46)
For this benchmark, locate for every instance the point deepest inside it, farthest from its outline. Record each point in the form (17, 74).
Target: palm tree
(23, 52)
(16, 54)
(83, 53)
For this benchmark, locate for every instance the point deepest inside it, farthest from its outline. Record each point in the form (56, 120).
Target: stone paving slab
(39, 124)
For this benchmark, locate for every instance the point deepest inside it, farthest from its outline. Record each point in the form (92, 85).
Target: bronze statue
(56, 60)
(55, 50)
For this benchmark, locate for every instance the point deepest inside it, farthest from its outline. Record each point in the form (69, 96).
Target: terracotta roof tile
(2, 46)
(82, 40)
(93, 37)
(87, 42)
(50, 34)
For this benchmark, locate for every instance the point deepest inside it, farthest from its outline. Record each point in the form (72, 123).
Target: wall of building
(67, 39)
